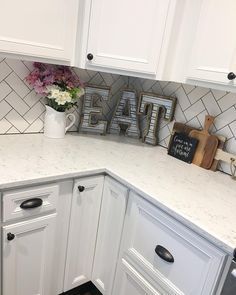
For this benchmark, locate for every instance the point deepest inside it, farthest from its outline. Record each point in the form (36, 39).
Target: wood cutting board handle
(208, 122)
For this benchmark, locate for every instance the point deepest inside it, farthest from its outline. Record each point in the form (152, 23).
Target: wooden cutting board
(207, 144)
(182, 128)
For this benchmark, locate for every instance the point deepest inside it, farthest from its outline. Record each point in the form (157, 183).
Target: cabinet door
(43, 30)
(27, 256)
(129, 281)
(176, 258)
(214, 51)
(125, 35)
(109, 234)
(85, 210)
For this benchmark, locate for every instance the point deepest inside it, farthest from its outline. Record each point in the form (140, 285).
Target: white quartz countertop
(205, 201)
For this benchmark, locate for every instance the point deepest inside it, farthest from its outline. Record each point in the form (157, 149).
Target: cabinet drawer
(29, 202)
(197, 263)
(130, 281)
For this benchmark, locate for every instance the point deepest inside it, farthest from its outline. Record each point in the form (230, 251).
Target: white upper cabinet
(214, 50)
(42, 30)
(127, 36)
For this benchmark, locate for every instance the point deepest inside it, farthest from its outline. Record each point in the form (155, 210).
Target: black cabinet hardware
(31, 203)
(231, 76)
(10, 236)
(90, 56)
(164, 254)
(81, 188)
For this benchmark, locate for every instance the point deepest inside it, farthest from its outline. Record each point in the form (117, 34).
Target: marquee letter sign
(94, 98)
(150, 106)
(125, 115)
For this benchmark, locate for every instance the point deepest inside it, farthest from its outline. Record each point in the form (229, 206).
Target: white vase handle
(72, 121)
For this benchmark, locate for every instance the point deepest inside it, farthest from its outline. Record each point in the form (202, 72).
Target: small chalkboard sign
(182, 147)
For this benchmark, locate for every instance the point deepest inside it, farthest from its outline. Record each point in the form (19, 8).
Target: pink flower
(45, 75)
(39, 87)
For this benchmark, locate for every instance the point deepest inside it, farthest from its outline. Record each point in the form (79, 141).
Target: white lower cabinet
(172, 256)
(131, 282)
(85, 211)
(98, 232)
(27, 256)
(109, 234)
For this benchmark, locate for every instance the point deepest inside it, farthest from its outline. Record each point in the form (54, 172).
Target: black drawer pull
(164, 254)
(10, 236)
(31, 203)
(81, 188)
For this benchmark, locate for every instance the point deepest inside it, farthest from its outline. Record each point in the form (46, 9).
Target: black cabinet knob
(164, 254)
(81, 188)
(90, 56)
(231, 76)
(10, 236)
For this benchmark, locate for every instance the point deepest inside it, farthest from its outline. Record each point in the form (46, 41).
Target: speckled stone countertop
(205, 201)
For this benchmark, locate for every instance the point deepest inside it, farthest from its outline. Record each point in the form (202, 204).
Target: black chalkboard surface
(182, 147)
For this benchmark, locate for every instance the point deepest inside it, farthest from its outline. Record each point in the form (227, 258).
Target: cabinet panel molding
(109, 234)
(45, 31)
(197, 264)
(137, 33)
(27, 256)
(86, 202)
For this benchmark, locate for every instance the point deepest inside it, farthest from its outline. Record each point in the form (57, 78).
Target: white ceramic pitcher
(55, 123)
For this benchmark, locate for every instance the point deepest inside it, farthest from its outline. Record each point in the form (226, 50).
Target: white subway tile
(18, 67)
(17, 103)
(4, 90)
(194, 110)
(211, 104)
(35, 127)
(182, 98)
(197, 93)
(32, 98)
(225, 131)
(17, 120)
(36, 111)
(4, 108)
(225, 118)
(17, 85)
(4, 126)
(227, 101)
(13, 130)
(5, 70)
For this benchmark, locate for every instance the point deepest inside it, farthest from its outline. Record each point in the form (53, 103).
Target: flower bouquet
(62, 90)
(60, 86)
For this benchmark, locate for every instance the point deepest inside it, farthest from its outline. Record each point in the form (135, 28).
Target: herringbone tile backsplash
(22, 111)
